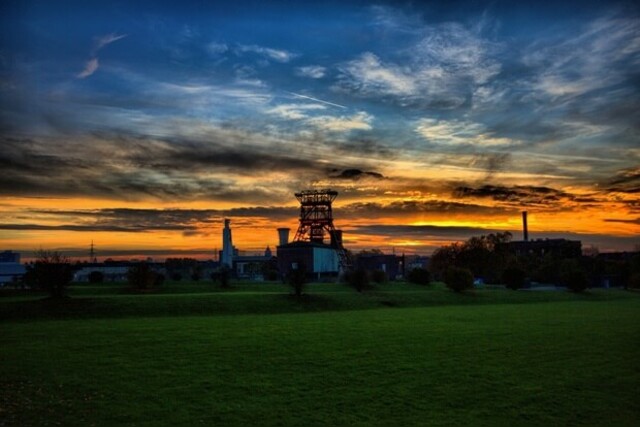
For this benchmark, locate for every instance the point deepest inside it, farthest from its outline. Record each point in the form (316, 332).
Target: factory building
(558, 248)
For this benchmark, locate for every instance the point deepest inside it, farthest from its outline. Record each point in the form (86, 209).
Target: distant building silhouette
(11, 271)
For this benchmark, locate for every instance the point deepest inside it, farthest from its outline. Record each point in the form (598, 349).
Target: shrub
(96, 277)
(297, 278)
(575, 280)
(379, 276)
(52, 272)
(270, 274)
(419, 276)
(634, 281)
(222, 276)
(514, 277)
(159, 280)
(458, 279)
(141, 277)
(176, 277)
(358, 279)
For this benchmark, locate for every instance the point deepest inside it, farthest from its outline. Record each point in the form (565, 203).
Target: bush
(222, 276)
(141, 277)
(357, 279)
(379, 276)
(458, 279)
(159, 280)
(297, 278)
(270, 274)
(96, 277)
(419, 276)
(575, 280)
(514, 277)
(51, 272)
(176, 277)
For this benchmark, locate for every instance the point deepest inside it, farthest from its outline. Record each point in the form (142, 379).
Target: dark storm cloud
(524, 195)
(354, 174)
(624, 221)
(426, 231)
(127, 167)
(625, 181)
(94, 227)
(127, 220)
(403, 208)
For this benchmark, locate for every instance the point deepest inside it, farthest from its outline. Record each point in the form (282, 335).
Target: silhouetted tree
(485, 256)
(297, 277)
(223, 275)
(96, 277)
(358, 278)
(514, 277)
(51, 272)
(573, 276)
(141, 277)
(458, 279)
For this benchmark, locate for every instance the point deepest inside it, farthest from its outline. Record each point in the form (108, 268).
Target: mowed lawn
(570, 360)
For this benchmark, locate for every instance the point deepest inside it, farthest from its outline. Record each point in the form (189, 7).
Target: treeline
(491, 260)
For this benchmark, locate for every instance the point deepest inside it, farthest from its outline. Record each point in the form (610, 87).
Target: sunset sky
(141, 125)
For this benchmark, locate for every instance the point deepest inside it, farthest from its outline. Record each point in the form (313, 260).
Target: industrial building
(11, 271)
(559, 248)
(242, 266)
(317, 246)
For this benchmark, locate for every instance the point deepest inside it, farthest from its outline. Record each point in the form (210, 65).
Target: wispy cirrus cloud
(102, 41)
(459, 132)
(440, 68)
(278, 55)
(92, 64)
(295, 111)
(358, 121)
(90, 67)
(593, 58)
(311, 71)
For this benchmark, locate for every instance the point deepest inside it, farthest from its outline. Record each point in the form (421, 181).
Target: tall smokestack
(525, 228)
(227, 245)
(283, 233)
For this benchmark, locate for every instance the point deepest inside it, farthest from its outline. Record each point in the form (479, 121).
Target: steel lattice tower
(316, 221)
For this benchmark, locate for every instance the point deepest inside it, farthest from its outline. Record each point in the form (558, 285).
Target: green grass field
(399, 355)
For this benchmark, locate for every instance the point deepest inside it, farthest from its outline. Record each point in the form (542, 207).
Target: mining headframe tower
(315, 227)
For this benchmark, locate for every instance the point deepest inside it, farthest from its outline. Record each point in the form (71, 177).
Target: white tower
(227, 245)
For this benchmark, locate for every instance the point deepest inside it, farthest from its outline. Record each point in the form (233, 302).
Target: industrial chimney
(283, 233)
(525, 228)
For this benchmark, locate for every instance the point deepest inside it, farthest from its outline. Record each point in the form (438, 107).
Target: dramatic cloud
(524, 195)
(450, 114)
(440, 69)
(412, 208)
(356, 174)
(626, 181)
